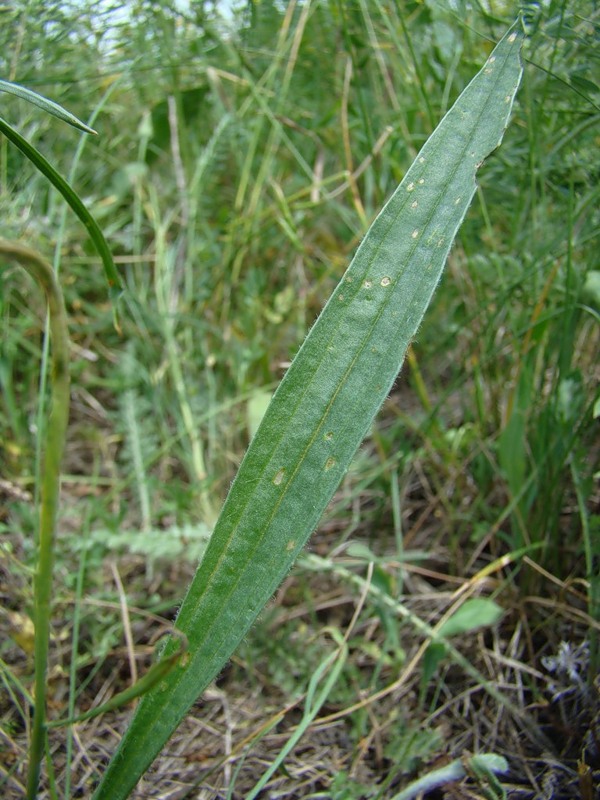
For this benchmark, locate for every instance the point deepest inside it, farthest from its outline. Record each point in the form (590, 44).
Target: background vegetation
(241, 156)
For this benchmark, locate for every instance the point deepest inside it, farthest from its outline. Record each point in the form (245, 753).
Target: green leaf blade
(325, 405)
(113, 278)
(479, 612)
(45, 104)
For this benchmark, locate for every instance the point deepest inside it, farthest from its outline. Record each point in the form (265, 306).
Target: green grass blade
(325, 405)
(47, 105)
(330, 668)
(156, 673)
(112, 276)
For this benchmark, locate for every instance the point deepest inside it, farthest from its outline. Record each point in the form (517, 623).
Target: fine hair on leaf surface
(324, 406)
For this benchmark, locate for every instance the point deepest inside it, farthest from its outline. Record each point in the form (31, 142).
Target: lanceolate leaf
(324, 406)
(478, 612)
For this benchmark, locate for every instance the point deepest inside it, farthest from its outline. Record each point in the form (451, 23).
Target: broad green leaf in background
(479, 612)
(324, 406)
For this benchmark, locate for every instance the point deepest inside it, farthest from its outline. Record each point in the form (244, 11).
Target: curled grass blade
(54, 445)
(72, 198)
(325, 406)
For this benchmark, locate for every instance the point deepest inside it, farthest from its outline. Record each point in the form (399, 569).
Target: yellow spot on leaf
(278, 479)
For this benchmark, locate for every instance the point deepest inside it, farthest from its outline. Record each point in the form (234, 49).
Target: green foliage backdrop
(241, 156)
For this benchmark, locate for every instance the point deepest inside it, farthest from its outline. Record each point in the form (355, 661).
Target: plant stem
(55, 436)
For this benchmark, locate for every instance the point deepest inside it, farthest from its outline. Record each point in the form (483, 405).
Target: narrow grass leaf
(155, 674)
(324, 406)
(331, 668)
(47, 105)
(39, 161)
